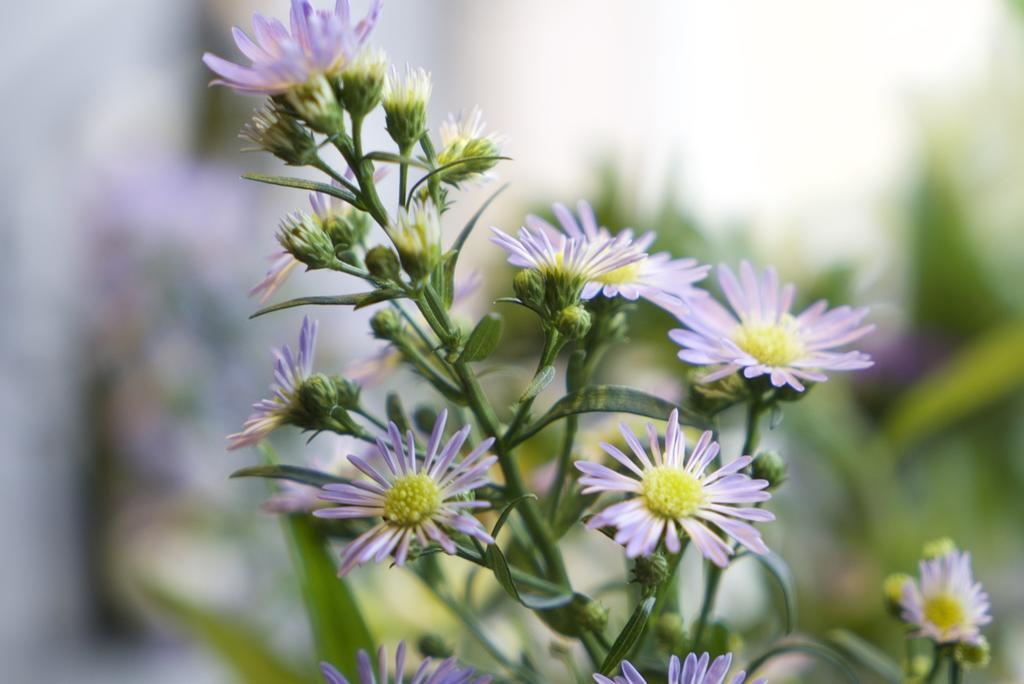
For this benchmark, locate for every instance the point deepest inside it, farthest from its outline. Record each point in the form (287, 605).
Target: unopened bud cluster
(405, 105)
(323, 401)
(416, 234)
(278, 133)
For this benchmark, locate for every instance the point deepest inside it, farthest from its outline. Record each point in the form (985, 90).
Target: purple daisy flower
(948, 605)
(447, 672)
(658, 278)
(761, 337)
(415, 500)
(320, 42)
(673, 495)
(692, 670)
(290, 370)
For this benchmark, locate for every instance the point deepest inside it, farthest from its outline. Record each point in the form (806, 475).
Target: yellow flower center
(773, 344)
(671, 492)
(944, 611)
(623, 274)
(411, 499)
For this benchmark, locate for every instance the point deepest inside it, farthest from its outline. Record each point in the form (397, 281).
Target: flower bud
(304, 238)
(936, 548)
(651, 571)
(322, 404)
(424, 417)
(977, 654)
(590, 616)
(670, 633)
(315, 102)
(386, 324)
(416, 234)
(346, 227)
(281, 135)
(434, 646)
(573, 322)
(768, 465)
(405, 106)
(713, 397)
(362, 82)
(469, 154)
(382, 263)
(529, 287)
(892, 591)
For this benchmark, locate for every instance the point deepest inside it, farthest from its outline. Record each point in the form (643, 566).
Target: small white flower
(947, 605)
(672, 495)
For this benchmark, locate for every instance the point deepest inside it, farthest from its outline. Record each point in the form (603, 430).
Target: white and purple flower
(447, 672)
(760, 337)
(415, 500)
(692, 670)
(658, 277)
(320, 43)
(948, 605)
(290, 370)
(671, 495)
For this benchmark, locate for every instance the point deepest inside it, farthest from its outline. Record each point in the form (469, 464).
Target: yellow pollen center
(671, 492)
(621, 275)
(773, 345)
(411, 499)
(944, 611)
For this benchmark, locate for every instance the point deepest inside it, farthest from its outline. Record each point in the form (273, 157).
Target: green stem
(593, 648)
(665, 590)
(955, 672)
(755, 409)
(714, 576)
(363, 170)
(403, 177)
(553, 343)
(937, 658)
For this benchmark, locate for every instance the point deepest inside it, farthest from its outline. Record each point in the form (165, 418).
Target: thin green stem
(553, 343)
(755, 409)
(323, 166)
(937, 658)
(714, 576)
(403, 177)
(665, 590)
(593, 648)
(363, 170)
(955, 672)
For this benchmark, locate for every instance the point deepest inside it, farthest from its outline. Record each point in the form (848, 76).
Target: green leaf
(499, 566)
(314, 478)
(396, 412)
(779, 570)
(484, 339)
(811, 648)
(445, 167)
(508, 511)
(393, 158)
(540, 382)
(245, 651)
(358, 300)
(628, 637)
(611, 399)
(980, 375)
(471, 223)
(302, 184)
(339, 630)
(867, 655)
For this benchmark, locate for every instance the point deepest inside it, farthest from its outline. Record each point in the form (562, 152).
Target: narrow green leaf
(302, 184)
(484, 339)
(393, 158)
(339, 630)
(540, 382)
(811, 648)
(245, 651)
(503, 518)
(396, 412)
(499, 566)
(978, 376)
(444, 167)
(314, 478)
(443, 278)
(358, 300)
(611, 399)
(471, 223)
(628, 637)
(779, 570)
(867, 655)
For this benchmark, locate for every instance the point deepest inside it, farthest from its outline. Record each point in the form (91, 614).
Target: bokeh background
(873, 151)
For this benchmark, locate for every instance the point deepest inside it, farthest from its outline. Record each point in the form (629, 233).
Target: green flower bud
(315, 102)
(304, 238)
(347, 228)
(651, 571)
(281, 135)
(529, 287)
(936, 548)
(382, 262)
(670, 633)
(892, 591)
(468, 152)
(573, 322)
(434, 646)
(416, 234)
(590, 616)
(977, 654)
(424, 417)
(405, 106)
(713, 397)
(362, 82)
(386, 324)
(768, 465)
